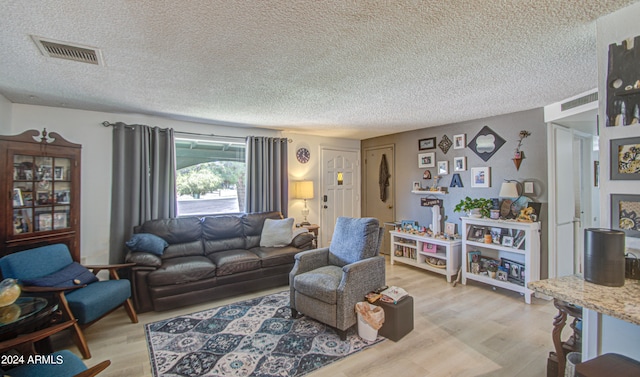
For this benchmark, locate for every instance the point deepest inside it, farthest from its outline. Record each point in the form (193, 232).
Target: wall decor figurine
(486, 143)
(518, 155)
(623, 83)
(444, 144)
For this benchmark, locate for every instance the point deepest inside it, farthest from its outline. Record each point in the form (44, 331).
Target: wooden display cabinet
(41, 180)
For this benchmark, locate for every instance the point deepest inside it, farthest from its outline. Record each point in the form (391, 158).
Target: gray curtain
(144, 184)
(267, 175)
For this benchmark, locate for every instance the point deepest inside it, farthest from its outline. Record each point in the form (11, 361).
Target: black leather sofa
(209, 258)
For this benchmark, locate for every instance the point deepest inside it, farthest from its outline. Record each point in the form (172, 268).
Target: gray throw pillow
(276, 233)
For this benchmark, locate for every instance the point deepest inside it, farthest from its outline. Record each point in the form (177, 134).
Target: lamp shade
(509, 190)
(303, 190)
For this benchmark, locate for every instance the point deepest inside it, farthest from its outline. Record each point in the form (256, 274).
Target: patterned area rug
(256, 337)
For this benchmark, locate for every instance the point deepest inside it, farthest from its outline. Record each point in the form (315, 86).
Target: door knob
(325, 206)
(390, 206)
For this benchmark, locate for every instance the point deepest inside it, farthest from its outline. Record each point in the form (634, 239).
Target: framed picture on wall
(625, 214)
(443, 167)
(460, 141)
(481, 177)
(459, 164)
(427, 160)
(625, 158)
(429, 143)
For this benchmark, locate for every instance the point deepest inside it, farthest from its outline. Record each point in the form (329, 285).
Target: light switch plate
(528, 187)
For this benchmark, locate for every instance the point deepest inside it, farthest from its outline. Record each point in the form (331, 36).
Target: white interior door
(339, 189)
(562, 196)
(378, 199)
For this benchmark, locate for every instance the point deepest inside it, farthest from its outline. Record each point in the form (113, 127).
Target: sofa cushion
(233, 261)
(223, 232)
(182, 270)
(253, 223)
(174, 231)
(147, 243)
(193, 248)
(276, 256)
(276, 233)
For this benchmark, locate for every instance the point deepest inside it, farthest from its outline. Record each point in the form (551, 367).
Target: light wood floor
(467, 330)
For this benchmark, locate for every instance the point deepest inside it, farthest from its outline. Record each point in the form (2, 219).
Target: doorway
(379, 198)
(339, 189)
(573, 194)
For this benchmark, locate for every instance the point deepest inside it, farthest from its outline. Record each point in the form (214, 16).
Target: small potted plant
(479, 207)
(492, 269)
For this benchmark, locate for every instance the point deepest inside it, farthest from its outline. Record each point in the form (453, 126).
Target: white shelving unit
(525, 254)
(410, 249)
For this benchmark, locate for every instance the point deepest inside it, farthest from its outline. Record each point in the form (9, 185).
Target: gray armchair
(327, 283)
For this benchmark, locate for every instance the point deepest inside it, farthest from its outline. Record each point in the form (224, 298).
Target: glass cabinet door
(41, 193)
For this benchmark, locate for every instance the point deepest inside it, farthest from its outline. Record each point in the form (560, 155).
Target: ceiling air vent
(69, 51)
(579, 101)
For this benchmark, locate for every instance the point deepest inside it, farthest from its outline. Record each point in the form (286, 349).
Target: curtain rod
(108, 124)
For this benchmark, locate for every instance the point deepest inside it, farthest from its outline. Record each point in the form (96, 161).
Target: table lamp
(304, 190)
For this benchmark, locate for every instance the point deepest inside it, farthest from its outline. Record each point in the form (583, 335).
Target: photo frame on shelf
(625, 158)
(477, 233)
(62, 196)
(459, 164)
(58, 173)
(502, 274)
(507, 241)
(428, 143)
(514, 270)
(460, 141)
(427, 160)
(408, 225)
(481, 177)
(416, 186)
(17, 198)
(625, 214)
(443, 167)
(450, 229)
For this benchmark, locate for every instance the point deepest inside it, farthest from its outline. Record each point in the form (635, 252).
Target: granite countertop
(618, 302)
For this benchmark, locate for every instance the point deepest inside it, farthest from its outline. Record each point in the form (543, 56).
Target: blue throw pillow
(148, 243)
(69, 276)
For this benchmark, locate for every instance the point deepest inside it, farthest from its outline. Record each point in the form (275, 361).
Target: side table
(313, 228)
(398, 318)
(26, 315)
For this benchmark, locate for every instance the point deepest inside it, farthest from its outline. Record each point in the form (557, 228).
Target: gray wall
(533, 168)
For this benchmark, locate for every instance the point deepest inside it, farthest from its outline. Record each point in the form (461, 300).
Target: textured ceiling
(345, 68)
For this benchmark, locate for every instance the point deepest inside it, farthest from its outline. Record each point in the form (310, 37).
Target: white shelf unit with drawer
(525, 252)
(413, 249)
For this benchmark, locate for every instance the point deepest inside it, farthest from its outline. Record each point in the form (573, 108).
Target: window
(210, 175)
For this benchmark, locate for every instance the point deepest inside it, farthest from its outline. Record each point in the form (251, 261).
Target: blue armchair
(326, 283)
(82, 298)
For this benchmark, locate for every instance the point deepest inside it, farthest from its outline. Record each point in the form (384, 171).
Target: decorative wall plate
(486, 143)
(444, 144)
(303, 155)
